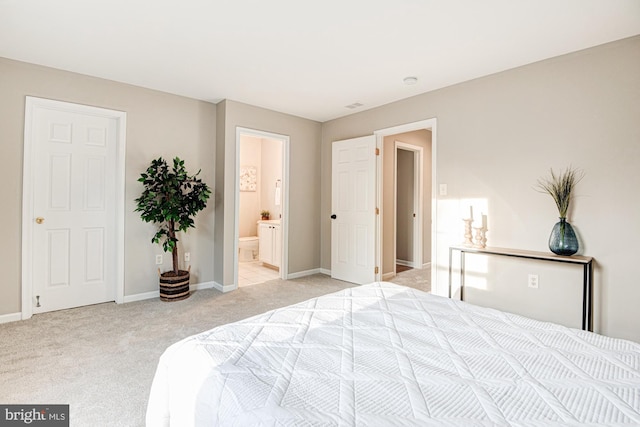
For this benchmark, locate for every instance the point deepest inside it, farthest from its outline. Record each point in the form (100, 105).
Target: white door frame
(418, 164)
(284, 222)
(28, 185)
(430, 124)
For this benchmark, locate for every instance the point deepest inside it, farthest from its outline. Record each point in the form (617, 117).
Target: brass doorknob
(39, 220)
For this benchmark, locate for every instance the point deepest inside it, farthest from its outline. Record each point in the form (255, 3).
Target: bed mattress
(382, 355)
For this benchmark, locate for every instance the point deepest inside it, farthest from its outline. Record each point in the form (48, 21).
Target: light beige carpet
(101, 359)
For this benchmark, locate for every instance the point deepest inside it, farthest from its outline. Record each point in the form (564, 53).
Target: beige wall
(266, 155)
(250, 155)
(158, 124)
(419, 138)
(496, 136)
(271, 172)
(304, 191)
(405, 205)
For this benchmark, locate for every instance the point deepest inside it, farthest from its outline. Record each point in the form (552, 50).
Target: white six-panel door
(353, 223)
(73, 220)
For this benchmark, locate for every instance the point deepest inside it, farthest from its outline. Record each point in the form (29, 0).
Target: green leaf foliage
(171, 198)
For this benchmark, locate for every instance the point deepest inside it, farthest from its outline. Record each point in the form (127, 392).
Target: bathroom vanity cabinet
(270, 242)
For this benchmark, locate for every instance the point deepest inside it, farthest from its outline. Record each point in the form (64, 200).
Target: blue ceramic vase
(563, 240)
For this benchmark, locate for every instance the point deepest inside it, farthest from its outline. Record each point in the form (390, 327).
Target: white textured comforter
(386, 355)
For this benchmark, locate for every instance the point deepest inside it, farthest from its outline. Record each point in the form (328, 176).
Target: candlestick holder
(467, 233)
(480, 240)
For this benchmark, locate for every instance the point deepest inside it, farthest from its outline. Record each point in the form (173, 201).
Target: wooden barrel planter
(174, 288)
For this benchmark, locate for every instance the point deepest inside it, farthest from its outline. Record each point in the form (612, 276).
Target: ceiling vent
(354, 105)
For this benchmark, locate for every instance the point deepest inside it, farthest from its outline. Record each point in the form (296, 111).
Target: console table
(585, 261)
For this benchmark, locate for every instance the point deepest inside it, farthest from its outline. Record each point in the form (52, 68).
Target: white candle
(484, 221)
(470, 211)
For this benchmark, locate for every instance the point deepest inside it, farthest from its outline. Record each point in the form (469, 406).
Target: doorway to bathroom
(261, 206)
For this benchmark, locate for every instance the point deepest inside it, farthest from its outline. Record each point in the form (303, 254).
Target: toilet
(248, 248)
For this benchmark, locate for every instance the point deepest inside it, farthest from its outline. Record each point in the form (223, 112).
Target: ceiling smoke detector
(410, 80)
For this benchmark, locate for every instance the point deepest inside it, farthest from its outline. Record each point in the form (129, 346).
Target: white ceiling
(310, 58)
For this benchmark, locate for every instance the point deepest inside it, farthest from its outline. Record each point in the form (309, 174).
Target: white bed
(383, 354)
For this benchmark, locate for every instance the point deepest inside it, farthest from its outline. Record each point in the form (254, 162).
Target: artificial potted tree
(171, 199)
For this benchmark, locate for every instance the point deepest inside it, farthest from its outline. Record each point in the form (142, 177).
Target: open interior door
(353, 215)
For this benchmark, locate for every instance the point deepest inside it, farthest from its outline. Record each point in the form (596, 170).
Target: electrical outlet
(159, 259)
(187, 256)
(533, 281)
(443, 189)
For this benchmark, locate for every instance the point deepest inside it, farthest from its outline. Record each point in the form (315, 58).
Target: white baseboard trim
(11, 317)
(6, 318)
(201, 286)
(142, 296)
(410, 264)
(305, 273)
(156, 294)
(387, 276)
(325, 271)
(224, 288)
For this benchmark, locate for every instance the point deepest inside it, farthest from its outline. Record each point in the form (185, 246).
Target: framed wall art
(248, 178)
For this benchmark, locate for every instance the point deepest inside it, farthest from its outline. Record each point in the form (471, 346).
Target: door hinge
(376, 270)
(377, 211)
(377, 151)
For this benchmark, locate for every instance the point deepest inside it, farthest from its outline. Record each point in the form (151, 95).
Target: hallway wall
(419, 138)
